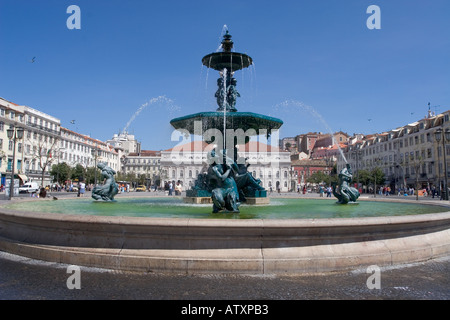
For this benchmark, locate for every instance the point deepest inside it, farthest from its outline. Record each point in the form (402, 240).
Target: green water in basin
(173, 207)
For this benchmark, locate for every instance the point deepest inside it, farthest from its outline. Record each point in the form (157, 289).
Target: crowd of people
(173, 188)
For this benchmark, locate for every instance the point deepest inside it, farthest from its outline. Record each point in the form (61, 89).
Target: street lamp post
(358, 153)
(440, 134)
(59, 168)
(14, 134)
(375, 171)
(94, 153)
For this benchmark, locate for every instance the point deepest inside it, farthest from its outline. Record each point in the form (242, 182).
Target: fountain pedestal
(208, 200)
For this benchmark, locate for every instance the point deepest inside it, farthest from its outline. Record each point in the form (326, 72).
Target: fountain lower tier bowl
(199, 123)
(251, 246)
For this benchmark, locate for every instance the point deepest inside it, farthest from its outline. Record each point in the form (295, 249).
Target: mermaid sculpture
(107, 191)
(344, 192)
(225, 194)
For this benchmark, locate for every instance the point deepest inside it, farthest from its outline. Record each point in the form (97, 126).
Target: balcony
(37, 126)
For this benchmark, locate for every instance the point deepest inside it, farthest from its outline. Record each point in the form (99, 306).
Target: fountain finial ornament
(227, 43)
(344, 192)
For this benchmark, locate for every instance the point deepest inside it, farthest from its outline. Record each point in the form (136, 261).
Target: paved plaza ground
(23, 278)
(27, 279)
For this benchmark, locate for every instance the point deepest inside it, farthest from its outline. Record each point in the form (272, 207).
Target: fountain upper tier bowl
(231, 61)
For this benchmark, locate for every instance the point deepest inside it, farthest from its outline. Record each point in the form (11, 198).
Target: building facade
(269, 164)
(76, 148)
(409, 156)
(33, 151)
(44, 144)
(146, 163)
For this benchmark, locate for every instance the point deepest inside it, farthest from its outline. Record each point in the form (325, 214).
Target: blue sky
(318, 53)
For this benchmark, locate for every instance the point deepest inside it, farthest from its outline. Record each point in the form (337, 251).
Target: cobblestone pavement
(26, 279)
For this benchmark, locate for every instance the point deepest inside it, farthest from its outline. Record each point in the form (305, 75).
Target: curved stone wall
(226, 246)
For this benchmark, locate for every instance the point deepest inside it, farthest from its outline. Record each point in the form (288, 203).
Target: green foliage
(369, 177)
(61, 172)
(320, 177)
(78, 173)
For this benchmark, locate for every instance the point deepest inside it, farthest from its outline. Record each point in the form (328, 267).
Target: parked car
(29, 187)
(141, 188)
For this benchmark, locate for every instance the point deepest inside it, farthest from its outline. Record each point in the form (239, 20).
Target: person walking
(82, 188)
(170, 188)
(329, 190)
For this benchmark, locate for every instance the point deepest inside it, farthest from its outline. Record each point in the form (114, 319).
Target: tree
(61, 172)
(377, 177)
(44, 150)
(416, 164)
(365, 176)
(374, 176)
(90, 175)
(78, 173)
(319, 177)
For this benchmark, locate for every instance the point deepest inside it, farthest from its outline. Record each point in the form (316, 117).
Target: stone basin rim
(192, 245)
(299, 223)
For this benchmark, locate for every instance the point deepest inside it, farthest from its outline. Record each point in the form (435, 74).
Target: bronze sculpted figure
(220, 95)
(110, 188)
(232, 94)
(226, 94)
(344, 192)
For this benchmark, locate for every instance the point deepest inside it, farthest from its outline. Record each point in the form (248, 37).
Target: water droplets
(287, 104)
(170, 105)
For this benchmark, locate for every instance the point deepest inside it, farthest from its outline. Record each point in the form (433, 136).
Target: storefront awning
(23, 177)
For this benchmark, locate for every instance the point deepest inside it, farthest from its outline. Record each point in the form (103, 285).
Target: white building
(126, 142)
(44, 144)
(184, 163)
(75, 148)
(33, 151)
(144, 163)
